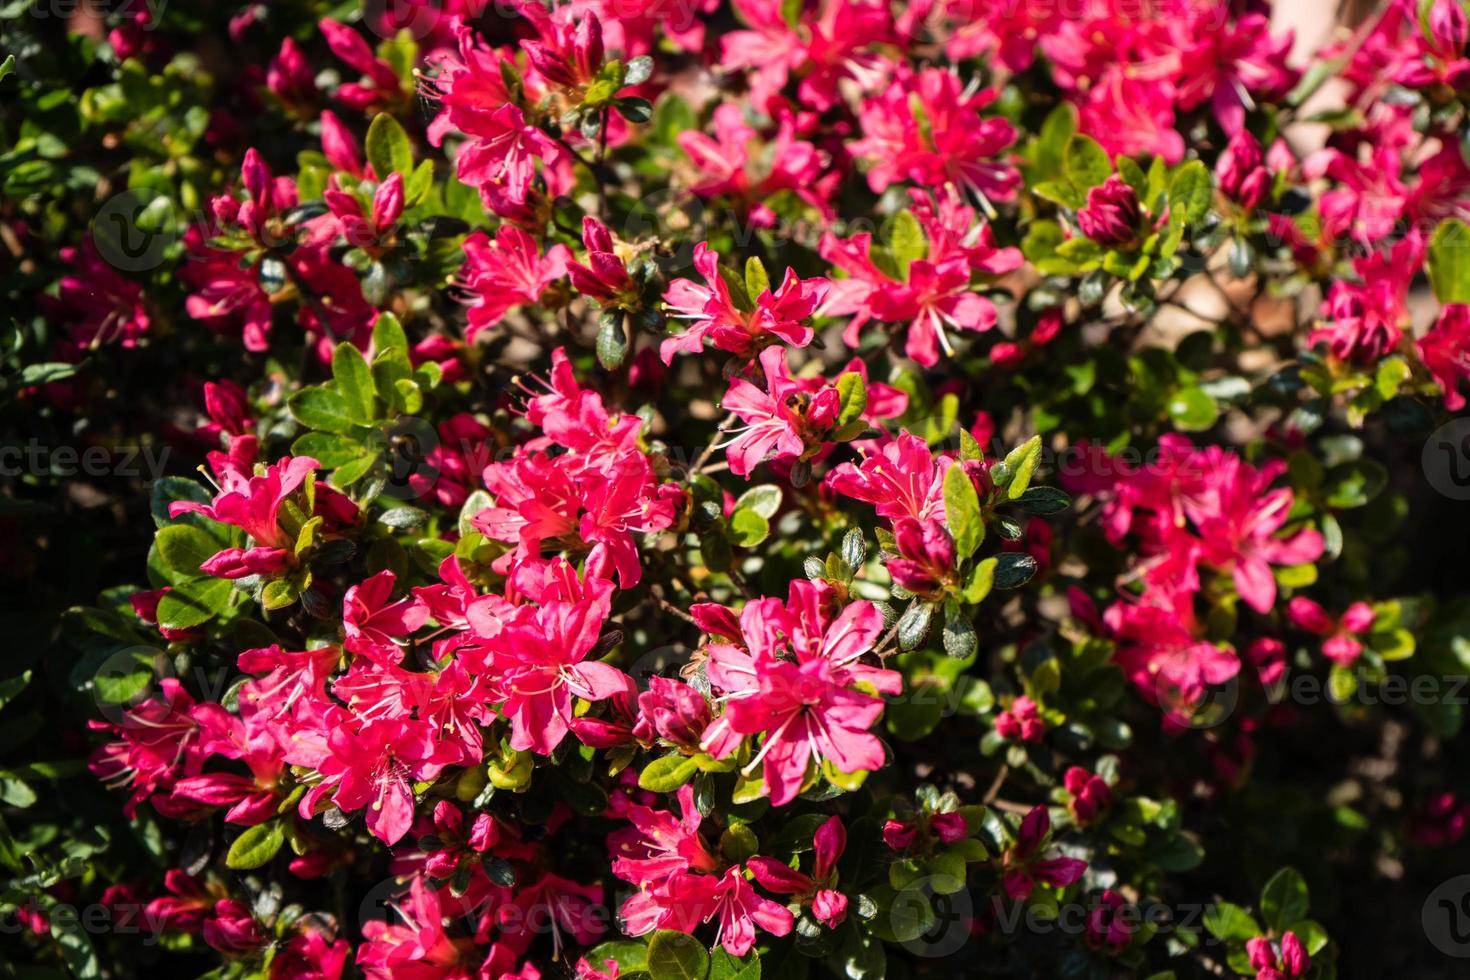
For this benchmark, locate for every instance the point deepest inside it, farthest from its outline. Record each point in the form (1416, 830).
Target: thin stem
(709, 450)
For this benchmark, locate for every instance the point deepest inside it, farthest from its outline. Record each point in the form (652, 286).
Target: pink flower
(605, 278)
(828, 44)
(926, 128)
(1024, 865)
(1109, 927)
(540, 663)
(782, 422)
(1445, 351)
(936, 296)
(568, 51)
(1162, 649)
(776, 315)
(933, 292)
(372, 765)
(340, 147)
(1111, 217)
(808, 709)
(418, 944)
(308, 955)
(899, 835)
(252, 503)
(737, 165)
(903, 479)
(105, 306)
(381, 85)
(290, 76)
(673, 711)
(374, 626)
(1090, 795)
(1242, 536)
(507, 272)
(501, 151)
(1241, 172)
(1234, 66)
(1021, 722)
(157, 743)
(233, 931)
(1364, 319)
(926, 566)
(829, 906)
(739, 910)
(659, 844)
(1289, 963)
(1340, 643)
(1130, 116)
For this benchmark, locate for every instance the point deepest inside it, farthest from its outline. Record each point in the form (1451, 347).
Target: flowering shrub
(730, 490)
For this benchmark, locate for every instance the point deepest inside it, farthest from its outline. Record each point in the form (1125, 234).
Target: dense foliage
(731, 490)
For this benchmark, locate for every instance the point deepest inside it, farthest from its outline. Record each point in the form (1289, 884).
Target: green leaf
(634, 109)
(1449, 261)
(354, 381)
(7, 67)
(388, 333)
(328, 448)
(612, 340)
(1191, 191)
(1013, 569)
(914, 625)
(1354, 484)
(193, 603)
(962, 511)
(255, 846)
(630, 956)
(1192, 410)
(1284, 900)
(388, 147)
(11, 687)
(764, 499)
(1057, 192)
(1086, 163)
(1230, 922)
(183, 548)
(852, 391)
(736, 285)
(76, 946)
(747, 528)
(1080, 251)
(756, 280)
(723, 966)
(1043, 500)
(668, 773)
(323, 409)
(980, 582)
(1021, 463)
(638, 71)
(1133, 176)
(1312, 79)
(676, 956)
(960, 641)
(1051, 141)
(907, 241)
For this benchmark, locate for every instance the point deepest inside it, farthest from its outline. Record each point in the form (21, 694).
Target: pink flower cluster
(1189, 511)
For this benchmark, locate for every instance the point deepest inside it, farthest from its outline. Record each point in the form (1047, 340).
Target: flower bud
(1448, 28)
(1241, 171)
(1112, 213)
(1294, 957)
